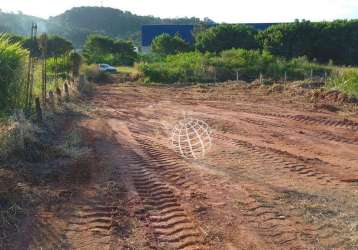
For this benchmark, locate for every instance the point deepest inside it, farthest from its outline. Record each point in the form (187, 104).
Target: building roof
(149, 32)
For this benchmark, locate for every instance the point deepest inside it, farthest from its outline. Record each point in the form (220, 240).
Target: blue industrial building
(149, 32)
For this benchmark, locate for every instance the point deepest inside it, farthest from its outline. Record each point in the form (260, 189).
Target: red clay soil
(281, 175)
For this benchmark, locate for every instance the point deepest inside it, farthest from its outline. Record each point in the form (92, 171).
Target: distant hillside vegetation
(19, 23)
(77, 23)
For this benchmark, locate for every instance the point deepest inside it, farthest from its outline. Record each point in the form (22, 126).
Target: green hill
(77, 23)
(19, 23)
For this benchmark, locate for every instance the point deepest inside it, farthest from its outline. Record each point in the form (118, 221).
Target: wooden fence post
(81, 82)
(59, 96)
(325, 77)
(67, 92)
(52, 100)
(38, 110)
(215, 75)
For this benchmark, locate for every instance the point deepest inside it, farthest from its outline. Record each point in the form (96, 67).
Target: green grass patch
(229, 65)
(128, 70)
(344, 80)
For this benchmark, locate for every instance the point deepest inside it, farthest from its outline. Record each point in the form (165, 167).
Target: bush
(75, 61)
(184, 67)
(166, 44)
(344, 80)
(104, 49)
(94, 75)
(198, 67)
(19, 136)
(59, 67)
(226, 36)
(12, 74)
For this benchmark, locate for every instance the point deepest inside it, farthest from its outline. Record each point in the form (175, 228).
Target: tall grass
(344, 80)
(12, 74)
(247, 64)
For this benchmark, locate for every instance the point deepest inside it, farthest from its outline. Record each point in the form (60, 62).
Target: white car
(107, 68)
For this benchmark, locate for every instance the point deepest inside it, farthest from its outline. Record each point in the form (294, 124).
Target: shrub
(150, 58)
(19, 135)
(344, 80)
(104, 49)
(75, 61)
(59, 67)
(12, 72)
(94, 75)
(226, 36)
(198, 67)
(166, 44)
(184, 67)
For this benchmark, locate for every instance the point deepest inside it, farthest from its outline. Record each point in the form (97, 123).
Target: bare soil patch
(282, 174)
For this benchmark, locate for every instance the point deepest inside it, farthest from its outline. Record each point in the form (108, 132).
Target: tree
(124, 53)
(104, 49)
(15, 38)
(323, 41)
(227, 36)
(58, 46)
(97, 49)
(166, 44)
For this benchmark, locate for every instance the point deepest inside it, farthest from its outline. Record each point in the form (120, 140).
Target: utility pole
(31, 66)
(43, 45)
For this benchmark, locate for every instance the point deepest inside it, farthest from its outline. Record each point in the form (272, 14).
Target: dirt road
(281, 175)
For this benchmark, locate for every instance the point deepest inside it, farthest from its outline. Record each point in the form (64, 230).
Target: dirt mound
(331, 96)
(313, 90)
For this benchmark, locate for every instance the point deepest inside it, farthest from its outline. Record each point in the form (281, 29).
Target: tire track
(93, 224)
(332, 137)
(268, 221)
(281, 161)
(274, 225)
(324, 135)
(319, 120)
(324, 121)
(46, 236)
(168, 164)
(172, 226)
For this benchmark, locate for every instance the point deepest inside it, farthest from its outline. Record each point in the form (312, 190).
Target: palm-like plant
(12, 74)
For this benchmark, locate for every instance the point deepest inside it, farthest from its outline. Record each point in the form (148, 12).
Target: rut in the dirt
(283, 161)
(172, 226)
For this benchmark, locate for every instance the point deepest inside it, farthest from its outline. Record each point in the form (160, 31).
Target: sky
(229, 11)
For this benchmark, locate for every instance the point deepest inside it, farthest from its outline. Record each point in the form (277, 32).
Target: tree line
(335, 42)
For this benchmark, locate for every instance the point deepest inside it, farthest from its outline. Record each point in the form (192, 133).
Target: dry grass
(17, 134)
(25, 180)
(72, 146)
